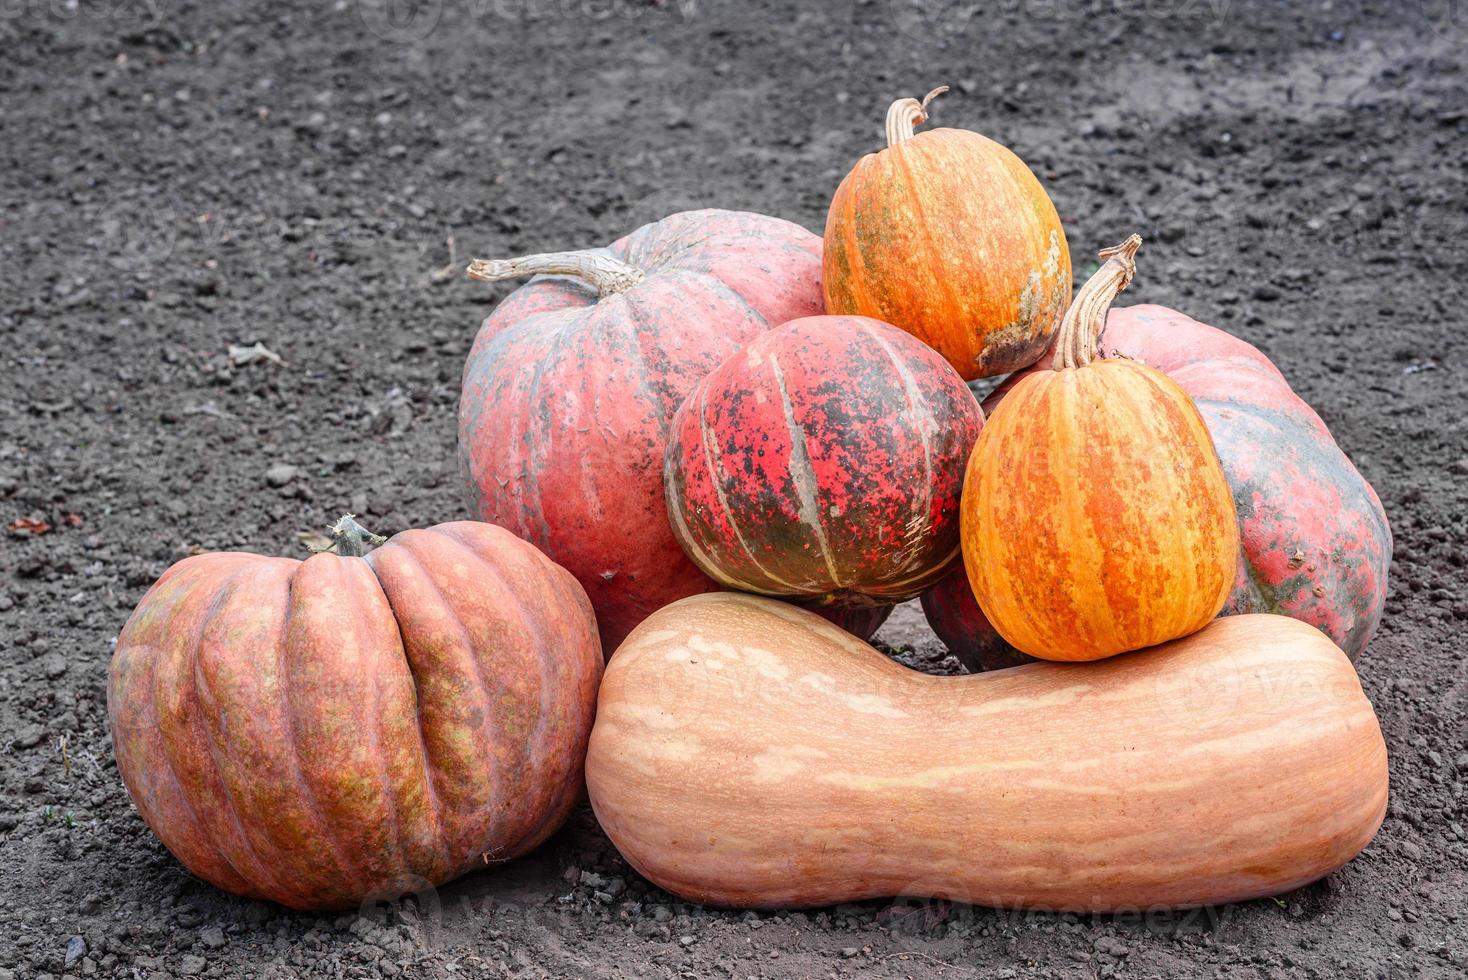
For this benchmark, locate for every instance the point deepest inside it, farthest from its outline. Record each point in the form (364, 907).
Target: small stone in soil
(29, 737)
(280, 474)
(76, 948)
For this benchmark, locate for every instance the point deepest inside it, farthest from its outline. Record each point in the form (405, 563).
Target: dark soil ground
(178, 177)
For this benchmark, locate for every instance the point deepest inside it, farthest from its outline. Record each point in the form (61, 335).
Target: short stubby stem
(349, 539)
(1080, 330)
(594, 266)
(904, 114)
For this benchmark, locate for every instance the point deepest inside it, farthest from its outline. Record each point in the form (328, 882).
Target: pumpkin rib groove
(557, 796)
(714, 461)
(1118, 397)
(291, 741)
(636, 338)
(728, 291)
(1190, 421)
(1066, 424)
(389, 794)
(425, 578)
(432, 804)
(802, 473)
(571, 790)
(370, 731)
(925, 232)
(206, 832)
(538, 630)
(263, 868)
(857, 281)
(530, 590)
(215, 605)
(520, 425)
(923, 505)
(268, 861)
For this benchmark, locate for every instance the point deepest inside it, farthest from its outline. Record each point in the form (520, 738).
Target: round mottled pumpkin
(325, 732)
(825, 459)
(1314, 540)
(948, 235)
(573, 379)
(1096, 516)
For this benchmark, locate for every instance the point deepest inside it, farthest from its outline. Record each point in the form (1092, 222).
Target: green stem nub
(349, 539)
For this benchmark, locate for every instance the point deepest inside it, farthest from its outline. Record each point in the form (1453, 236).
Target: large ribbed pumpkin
(574, 378)
(823, 459)
(746, 753)
(1096, 515)
(324, 732)
(948, 235)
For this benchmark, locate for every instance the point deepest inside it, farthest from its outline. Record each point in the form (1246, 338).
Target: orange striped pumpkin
(949, 236)
(1096, 517)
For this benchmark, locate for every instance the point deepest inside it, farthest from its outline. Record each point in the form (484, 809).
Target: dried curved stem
(593, 265)
(1080, 330)
(349, 538)
(904, 114)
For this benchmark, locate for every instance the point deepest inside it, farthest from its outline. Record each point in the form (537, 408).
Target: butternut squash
(749, 754)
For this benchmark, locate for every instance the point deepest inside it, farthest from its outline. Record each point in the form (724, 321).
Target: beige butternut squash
(747, 753)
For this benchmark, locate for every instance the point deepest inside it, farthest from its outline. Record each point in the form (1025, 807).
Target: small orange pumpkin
(949, 236)
(1096, 518)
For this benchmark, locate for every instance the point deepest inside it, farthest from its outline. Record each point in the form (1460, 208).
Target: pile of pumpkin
(723, 449)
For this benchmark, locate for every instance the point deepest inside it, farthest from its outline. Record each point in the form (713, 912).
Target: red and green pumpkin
(956, 619)
(1314, 540)
(825, 460)
(573, 380)
(342, 729)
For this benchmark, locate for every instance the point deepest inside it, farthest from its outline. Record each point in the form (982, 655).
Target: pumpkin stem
(349, 537)
(593, 265)
(1080, 330)
(903, 114)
